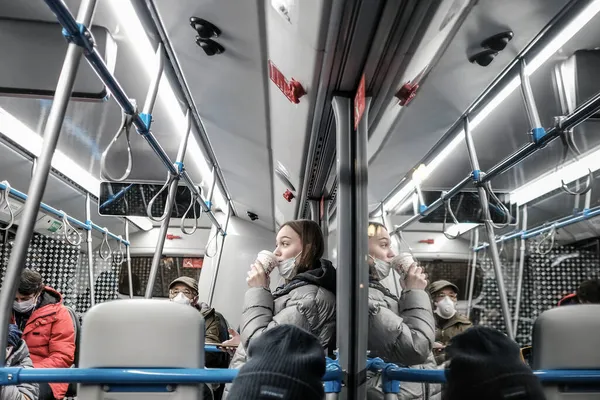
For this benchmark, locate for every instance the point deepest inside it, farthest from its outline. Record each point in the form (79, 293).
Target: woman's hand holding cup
(257, 277)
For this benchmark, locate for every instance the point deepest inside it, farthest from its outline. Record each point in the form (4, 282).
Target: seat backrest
(72, 390)
(77, 328)
(567, 338)
(141, 333)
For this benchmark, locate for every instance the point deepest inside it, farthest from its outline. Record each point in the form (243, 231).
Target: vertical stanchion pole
(155, 82)
(528, 99)
(90, 249)
(325, 225)
(39, 180)
(164, 226)
(473, 272)
(521, 270)
(489, 227)
(213, 283)
(387, 221)
(352, 220)
(314, 210)
(212, 187)
(128, 259)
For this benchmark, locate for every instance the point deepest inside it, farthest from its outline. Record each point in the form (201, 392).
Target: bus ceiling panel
(229, 91)
(296, 49)
(506, 128)
(452, 86)
(245, 166)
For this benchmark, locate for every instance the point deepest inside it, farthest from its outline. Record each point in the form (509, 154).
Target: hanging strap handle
(120, 253)
(125, 127)
(196, 217)
(5, 202)
(68, 230)
(105, 253)
(170, 179)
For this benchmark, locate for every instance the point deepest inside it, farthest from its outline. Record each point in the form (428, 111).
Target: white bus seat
(567, 338)
(141, 334)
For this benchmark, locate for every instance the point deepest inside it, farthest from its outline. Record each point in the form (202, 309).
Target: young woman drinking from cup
(401, 330)
(306, 299)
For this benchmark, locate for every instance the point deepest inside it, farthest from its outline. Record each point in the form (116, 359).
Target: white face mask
(382, 268)
(287, 268)
(181, 299)
(445, 308)
(24, 306)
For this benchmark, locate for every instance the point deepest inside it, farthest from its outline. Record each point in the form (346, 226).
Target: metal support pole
(213, 284)
(529, 100)
(90, 250)
(490, 230)
(325, 226)
(387, 221)
(16, 263)
(212, 186)
(162, 235)
(473, 272)
(521, 270)
(314, 210)
(352, 220)
(128, 259)
(155, 83)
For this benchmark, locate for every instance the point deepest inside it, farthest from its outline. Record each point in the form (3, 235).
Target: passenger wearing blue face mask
(401, 330)
(306, 298)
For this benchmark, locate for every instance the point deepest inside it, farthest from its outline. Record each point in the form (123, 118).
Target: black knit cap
(486, 364)
(284, 363)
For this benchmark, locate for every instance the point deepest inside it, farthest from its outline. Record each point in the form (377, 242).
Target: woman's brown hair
(313, 244)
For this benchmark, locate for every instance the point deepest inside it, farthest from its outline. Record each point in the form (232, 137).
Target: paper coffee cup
(267, 260)
(402, 262)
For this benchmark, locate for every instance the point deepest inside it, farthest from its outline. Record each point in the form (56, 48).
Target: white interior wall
(243, 242)
(144, 243)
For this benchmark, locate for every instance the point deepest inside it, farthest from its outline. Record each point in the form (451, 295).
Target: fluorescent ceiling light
(556, 44)
(552, 181)
(460, 229)
(23, 136)
(129, 23)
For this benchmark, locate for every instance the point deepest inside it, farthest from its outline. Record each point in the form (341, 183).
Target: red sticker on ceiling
(292, 89)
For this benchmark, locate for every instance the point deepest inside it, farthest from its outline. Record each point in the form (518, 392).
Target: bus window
(169, 269)
(457, 272)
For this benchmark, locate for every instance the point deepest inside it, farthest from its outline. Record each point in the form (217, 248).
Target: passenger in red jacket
(47, 329)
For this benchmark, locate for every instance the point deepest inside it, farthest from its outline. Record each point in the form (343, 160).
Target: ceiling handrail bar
(80, 35)
(580, 216)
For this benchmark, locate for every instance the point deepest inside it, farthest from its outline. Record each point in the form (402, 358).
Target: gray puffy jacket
(401, 332)
(20, 358)
(308, 301)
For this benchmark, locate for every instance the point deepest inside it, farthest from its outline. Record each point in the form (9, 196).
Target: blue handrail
(15, 376)
(89, 225)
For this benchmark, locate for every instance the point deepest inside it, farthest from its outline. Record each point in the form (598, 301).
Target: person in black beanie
(284, 363)
(485, 364)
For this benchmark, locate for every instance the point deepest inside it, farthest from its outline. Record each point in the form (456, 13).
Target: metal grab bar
(80, 35)
(16, 376)
(333, 373)
(60, 214)
(559, 223)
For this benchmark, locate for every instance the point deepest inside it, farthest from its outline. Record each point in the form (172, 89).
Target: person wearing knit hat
(485, 364)
(284, 363)
(448, 322)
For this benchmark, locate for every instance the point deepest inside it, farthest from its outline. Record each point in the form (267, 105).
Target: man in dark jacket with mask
(448, 322)
(184, 290)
